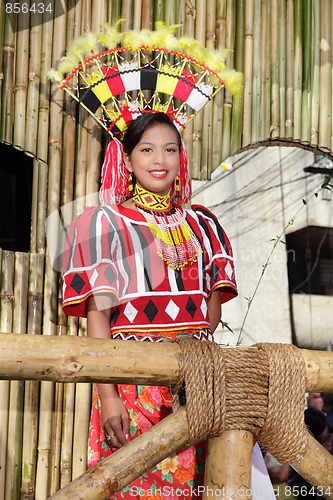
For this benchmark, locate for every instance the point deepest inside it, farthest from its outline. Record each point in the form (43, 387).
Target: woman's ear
(127, 162)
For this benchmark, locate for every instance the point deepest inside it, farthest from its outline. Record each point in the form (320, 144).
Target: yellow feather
(112, 37)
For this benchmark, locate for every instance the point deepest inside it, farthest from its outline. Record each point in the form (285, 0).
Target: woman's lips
(158, 174)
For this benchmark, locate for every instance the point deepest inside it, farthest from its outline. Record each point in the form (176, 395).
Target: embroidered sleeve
(219, 261)
(88, 267)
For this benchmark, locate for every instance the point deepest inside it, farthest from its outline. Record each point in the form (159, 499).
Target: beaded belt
(204, 334)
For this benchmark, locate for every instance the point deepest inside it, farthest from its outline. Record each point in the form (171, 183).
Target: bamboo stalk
(316, 466)
(290, 69)
(56, 438)
(274, 64)
(42, 206)
(34, 79)
(237, 100)
(248, 71)
(207, 148)
(315, 73)
(131, 461)
(219, 98)
(265, 72)
(44, 90)
(34, 208)
(256, 78)
(7, 96)
(83, 395)
(283, 26)
(306, 65)
(15, 415)
(126, 13)
(31, 393)
(137, 16)
(51, 277)
(81, 427)
(6, 302)
(298, 61)
(21, 78)
(2, 31)
(225, 477)
(81, 359)
(67, 435)
(325, 116)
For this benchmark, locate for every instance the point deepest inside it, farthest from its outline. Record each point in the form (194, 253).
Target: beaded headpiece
(142, 71)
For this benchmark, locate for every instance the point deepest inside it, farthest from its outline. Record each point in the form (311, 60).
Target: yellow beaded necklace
(175, 240)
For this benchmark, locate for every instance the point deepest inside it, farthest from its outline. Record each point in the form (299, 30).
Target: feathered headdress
(140, 71)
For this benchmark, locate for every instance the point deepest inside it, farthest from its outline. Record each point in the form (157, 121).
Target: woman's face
(155, 159)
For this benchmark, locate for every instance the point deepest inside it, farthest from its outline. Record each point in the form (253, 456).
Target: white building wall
(256, 201)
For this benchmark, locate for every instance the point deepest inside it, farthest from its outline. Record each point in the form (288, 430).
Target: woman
(147, 269)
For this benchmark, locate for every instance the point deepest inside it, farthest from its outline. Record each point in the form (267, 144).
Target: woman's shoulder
(202, 212)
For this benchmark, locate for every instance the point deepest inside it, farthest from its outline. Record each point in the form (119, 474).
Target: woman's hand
(115, 421)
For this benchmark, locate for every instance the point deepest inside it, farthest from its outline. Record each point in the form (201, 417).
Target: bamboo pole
(51, 277)
(81, 359)
(7, 97)
(129, 462)
(217, 124)
(55, 459)
(290, 69)
(34, 80)
(6, 301)
(21, 78)
(274, 64)
(306, 65)
(283, 27)
(226, 477)
(248, 72)
(256, 77)
(237, 101)
(298, 61)
(83, 396)
(44, 89)
(31, 392)
(325, 116)
(15, 414)
(316, 466)
(265, 121)
(2, 30)
(315, 73)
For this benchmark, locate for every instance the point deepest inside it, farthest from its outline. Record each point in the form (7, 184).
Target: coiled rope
(259, 389)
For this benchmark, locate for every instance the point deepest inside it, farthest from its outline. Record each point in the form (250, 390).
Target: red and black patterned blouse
(110, 250)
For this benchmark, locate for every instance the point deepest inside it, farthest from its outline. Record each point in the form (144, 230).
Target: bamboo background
(284, 49)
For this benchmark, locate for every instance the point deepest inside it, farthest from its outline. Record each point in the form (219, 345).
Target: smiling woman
(146, 269)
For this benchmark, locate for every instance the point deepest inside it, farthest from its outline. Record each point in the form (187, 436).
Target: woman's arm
(215, 309)
(114, 416)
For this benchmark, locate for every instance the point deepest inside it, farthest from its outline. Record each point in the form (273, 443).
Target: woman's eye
(145, 150)
(171, 150)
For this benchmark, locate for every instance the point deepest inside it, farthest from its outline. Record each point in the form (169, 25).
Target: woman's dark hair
(138, 126)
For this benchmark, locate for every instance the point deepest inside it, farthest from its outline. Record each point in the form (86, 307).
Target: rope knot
(259, 389)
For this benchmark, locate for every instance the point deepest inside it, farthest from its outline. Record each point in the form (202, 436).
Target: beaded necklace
(175, 240)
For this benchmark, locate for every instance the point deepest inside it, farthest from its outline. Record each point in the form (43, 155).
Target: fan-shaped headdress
(141, 72)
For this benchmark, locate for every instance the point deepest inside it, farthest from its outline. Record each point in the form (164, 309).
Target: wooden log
(129, 462)
(81, 359)
(316, 467)
(318, 372)
(225, 477)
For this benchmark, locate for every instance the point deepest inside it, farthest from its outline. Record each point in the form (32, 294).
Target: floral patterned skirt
(178, 476)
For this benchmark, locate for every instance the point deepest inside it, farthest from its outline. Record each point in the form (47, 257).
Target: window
(16, 171)
(310, 260)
